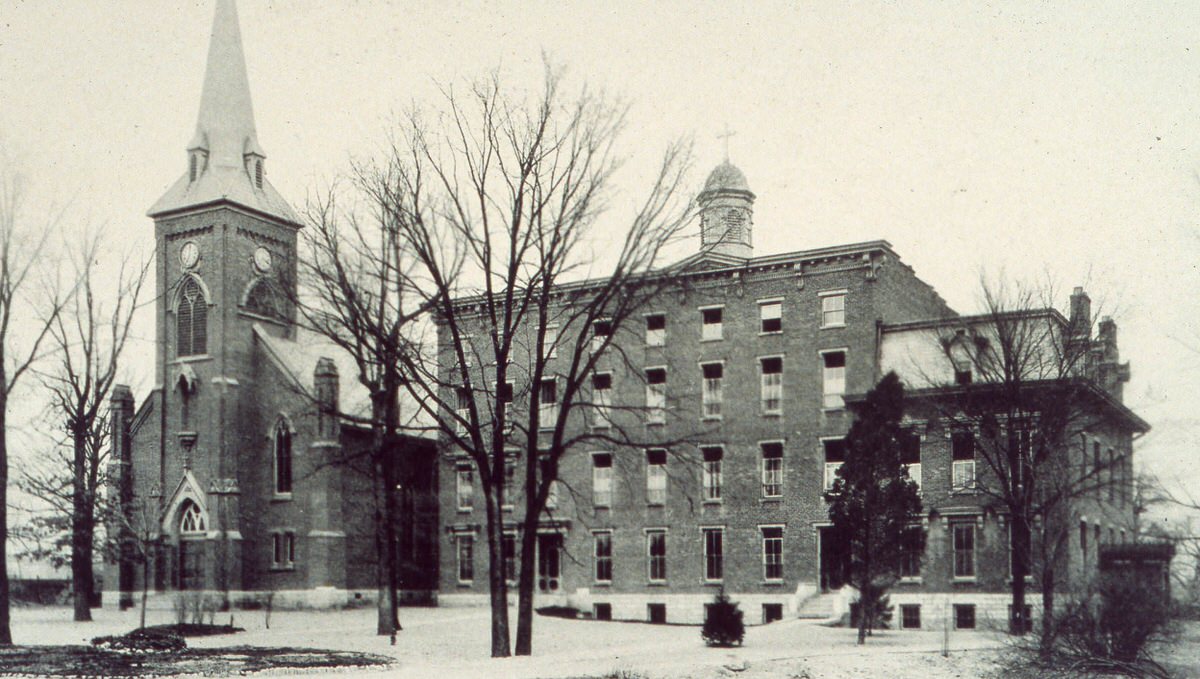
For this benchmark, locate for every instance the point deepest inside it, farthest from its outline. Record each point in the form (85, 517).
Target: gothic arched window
(283, 458)
(191, 520)
(191, 320)
(264, 300)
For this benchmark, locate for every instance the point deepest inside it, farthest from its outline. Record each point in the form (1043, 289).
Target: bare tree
(1028, 383)
(87, 339)
(355, 294)
(22, 243)
(498, 205)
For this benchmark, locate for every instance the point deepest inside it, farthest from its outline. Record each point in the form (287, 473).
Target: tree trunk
(525, 586)
(1048, 631)
(1018, 623)
(81, 533)
(497, 586)
(145, 587)
(386, 549)
(5, 624)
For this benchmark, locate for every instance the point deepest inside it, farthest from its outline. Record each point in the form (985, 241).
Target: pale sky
(1018, 137)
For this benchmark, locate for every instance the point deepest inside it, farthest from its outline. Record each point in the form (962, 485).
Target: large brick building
(229, 459)
(752, 359)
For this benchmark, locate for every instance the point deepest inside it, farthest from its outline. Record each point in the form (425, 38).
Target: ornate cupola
(726, 212)
(225, 161)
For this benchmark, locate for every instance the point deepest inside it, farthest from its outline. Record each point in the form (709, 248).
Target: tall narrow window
(833, 310)
(601, 331)
(962, 450)
(772, 469)
(462, 410)
(656, 330)
(835, 455)
(656, 476)
(508, 548)
(964, 550)
(911, 547)
(466, 558)
(191, 321)
(712, 473)
(711, 393)
(772, 551)
(910, 454)
(656, 395)
(603, 556)
(656, 555)
(1112, 475)
(283, 458)
(770, 317)
(258, 173)
(510, 484)
(711, 324)
(602, 400)
(464, 486)
(602, 479)
(834, 379)
(283, 550)
(504, 394)
(548, 404)
(550, 342)
(771, 385)
(714, 553)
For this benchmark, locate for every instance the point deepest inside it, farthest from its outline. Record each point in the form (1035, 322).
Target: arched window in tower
(191, 320)
(283, 458)
(192, 528)
(264, 299)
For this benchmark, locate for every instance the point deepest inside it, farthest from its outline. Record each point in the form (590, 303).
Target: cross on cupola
(726, 209)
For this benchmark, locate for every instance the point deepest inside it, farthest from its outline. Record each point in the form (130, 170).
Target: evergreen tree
(723, 625)
(873, 501)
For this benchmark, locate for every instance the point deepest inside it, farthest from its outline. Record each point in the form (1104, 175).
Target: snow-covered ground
(447, 643)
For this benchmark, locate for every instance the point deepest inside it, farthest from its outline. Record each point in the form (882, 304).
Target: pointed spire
(225, 126)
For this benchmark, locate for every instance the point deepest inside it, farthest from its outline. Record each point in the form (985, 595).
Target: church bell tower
(225, 248)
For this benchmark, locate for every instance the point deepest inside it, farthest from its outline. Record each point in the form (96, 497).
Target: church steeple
(225, 160)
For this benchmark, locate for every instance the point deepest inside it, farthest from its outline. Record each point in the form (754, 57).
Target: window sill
(604, 583)
(278, 568)
(833, 326)
(765, 333)
(191, 359)
(963, 580)
(656, 583)
(716, 502)
(711, 418)
(713, 583)
(655, 423)
(914, 580)
(599, 507)
(830, 410)
(771, 498)
(712, 339)
(466, 583)
(656, 505)
(464, 510)
(772, 583)
(772, 413)
(281, 497)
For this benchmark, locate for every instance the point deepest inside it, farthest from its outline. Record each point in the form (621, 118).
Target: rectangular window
(550, 342)
(772, 551)
(465, 488)
(656, 555)
(962, 450)
(713, 553)
(656, 476)
(771, 385)
(834, 379)
(910, 616)
(1112, 482)
(710, 324)
(602, 400)
(833, 310)
(657, 613)
(911, 547)
(712, 473)
(962, 374)
(656, 330)
(466, 558)
(602, 479)
(770, 317)
(602, 611)
(462, 410)
(1095, 480)
(711, 392)
(964, 616)
(548, 404)
(504, 394)
(508, 546)
(603, 555)
(964, 550)
(656, 395)
(772, 469)
(283, 550)
(601, 330)
(772, 613)
(910, 454)
(510, 485)
(835, 455)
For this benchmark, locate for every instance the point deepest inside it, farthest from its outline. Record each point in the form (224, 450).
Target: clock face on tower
(262, 260)
(189, 254)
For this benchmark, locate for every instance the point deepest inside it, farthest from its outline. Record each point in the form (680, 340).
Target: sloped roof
(298, 358)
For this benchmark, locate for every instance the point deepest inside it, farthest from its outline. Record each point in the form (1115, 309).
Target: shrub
(559, 612)
(141, 641)
(723, 625)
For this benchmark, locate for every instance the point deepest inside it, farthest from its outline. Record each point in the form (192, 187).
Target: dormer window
(258, 173)
(192, 168)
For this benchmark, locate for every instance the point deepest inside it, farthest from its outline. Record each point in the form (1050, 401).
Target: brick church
(228, 462)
